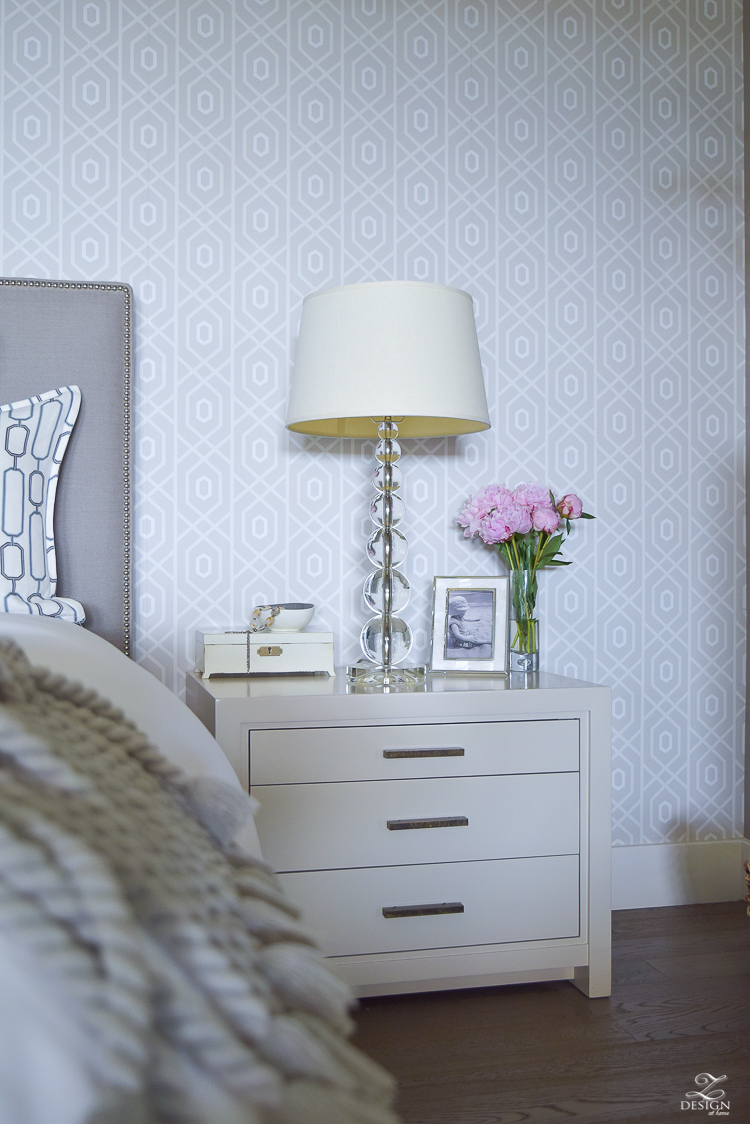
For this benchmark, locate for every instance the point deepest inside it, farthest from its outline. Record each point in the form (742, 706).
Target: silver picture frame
(470, 625)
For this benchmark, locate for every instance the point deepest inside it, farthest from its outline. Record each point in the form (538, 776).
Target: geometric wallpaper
(575, 165)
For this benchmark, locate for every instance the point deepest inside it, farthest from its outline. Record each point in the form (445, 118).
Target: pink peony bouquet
(522, 523)
(528, 526)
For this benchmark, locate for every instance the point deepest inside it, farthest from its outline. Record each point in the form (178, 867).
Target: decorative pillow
(34, 435)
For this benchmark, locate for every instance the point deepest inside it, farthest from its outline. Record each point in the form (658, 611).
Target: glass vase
(524, 625)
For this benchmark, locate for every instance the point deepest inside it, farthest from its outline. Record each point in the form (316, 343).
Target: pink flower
(507, 519)
(519, 517)
(546, 519)
(479, 506)
(470, 517)
(570, 506)
(533, 495)
(493, 496)
(494, 529)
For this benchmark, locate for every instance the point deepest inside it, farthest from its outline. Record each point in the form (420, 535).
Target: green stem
(525, 639)
(523, 588)
(523, 591)
(527, 608)
(540, 543)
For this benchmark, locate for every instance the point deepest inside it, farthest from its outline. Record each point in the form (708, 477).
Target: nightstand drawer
(352, 753)
(511, 900)
(379, 823)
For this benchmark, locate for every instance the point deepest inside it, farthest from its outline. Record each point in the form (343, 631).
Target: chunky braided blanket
(175, 953)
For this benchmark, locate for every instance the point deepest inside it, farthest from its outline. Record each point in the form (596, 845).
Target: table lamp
(387, 359)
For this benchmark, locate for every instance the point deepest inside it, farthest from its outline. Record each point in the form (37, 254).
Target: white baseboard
(678, 873)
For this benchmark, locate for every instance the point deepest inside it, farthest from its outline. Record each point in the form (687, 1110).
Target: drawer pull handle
(422, 910)
(443, 821)
(456, 751)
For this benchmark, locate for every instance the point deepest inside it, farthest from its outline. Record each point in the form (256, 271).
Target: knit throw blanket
(174, 951)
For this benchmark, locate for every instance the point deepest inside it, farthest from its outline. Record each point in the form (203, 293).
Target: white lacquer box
(263, 653)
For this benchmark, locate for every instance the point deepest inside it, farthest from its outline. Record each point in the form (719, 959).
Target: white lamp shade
(400, 349)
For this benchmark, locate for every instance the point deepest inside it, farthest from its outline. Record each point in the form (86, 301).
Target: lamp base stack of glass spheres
(386, 638)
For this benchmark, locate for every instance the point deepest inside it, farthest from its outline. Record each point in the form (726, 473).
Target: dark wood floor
(544, 1052)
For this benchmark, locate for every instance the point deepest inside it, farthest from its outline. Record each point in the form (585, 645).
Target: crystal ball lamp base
(386, 638)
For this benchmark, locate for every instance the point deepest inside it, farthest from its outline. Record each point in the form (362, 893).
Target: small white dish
(292, 617)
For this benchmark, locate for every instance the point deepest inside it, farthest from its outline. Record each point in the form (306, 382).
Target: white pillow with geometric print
(34, 435)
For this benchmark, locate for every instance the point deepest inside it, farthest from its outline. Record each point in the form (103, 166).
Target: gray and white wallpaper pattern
(573, 164)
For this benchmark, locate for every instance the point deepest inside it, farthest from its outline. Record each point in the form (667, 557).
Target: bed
(54, 334)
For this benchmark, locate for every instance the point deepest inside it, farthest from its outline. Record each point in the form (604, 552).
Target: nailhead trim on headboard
(127, 386)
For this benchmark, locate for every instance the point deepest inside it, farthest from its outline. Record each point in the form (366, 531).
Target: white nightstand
(456, 836)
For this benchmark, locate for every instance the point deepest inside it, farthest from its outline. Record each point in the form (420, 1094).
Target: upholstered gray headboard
(54, 333)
